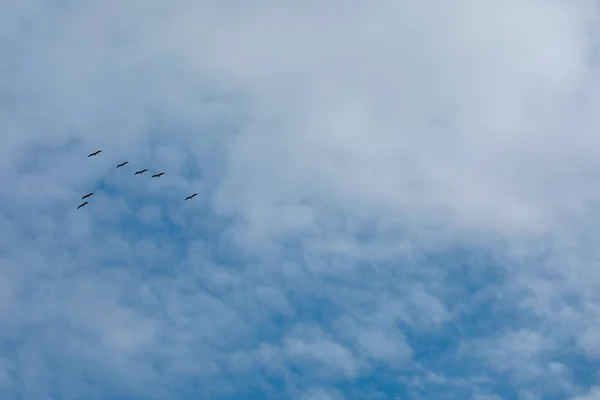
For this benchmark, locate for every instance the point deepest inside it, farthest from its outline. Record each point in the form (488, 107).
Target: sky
(396, 199)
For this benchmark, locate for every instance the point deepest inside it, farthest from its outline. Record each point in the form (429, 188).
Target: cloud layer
(396, 200)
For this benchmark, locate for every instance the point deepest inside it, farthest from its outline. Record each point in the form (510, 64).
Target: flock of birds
(124, 163)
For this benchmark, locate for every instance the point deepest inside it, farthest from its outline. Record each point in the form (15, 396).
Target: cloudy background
(397, 199)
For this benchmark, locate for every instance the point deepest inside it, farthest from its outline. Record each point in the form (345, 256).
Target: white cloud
(322, 394)
(593, 394)
(346, 155)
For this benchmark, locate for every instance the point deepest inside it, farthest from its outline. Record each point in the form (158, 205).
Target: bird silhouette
(141, 172)
(82, 204)
(191, 197)
(87, 195)
(158, 175)
(122, 164)
(95, 153)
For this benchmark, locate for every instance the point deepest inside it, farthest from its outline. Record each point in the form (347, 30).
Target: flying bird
(158, 175)
(95, 153)
(122, 164)
(82, 204)
(87, 195)
(191, 197)
(141, 172)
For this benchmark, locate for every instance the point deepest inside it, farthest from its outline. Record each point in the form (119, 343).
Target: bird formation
(124, 163)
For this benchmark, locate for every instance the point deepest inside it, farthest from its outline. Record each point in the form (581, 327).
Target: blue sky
(396, 200)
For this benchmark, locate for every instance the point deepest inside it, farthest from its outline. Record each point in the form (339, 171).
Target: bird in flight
(95, 153)
(87, 195)
(82, 204)
(158, 175)
(141, 172)
(122, 164)
(191, 197)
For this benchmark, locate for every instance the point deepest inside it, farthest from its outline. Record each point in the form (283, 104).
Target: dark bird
(82, 204)
(191, 197)
(95, 153)
(158, 175)
(141, 172)
(122, 164)
(87, 195)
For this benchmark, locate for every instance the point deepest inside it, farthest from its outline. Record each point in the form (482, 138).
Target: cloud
(395, 199)
(591, 395)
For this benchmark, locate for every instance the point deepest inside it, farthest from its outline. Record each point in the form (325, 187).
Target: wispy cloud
(395, 200)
